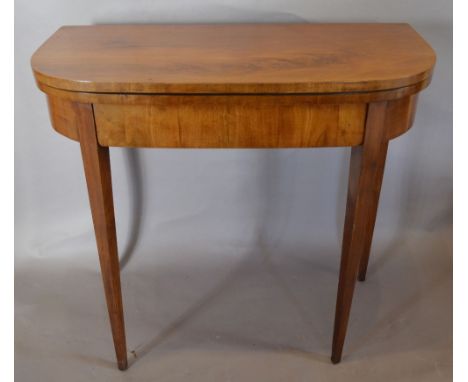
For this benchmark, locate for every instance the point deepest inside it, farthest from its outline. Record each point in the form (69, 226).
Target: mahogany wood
(400, 115)
(64, 115)
(316, 98)
(134, 123)
(231, 122)
(96, 165)
(226, 86)
(233, 58)
(365, 178)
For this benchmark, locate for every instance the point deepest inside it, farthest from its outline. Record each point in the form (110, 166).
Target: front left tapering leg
(97, 169)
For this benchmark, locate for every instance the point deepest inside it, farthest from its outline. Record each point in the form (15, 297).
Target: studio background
(230, 257)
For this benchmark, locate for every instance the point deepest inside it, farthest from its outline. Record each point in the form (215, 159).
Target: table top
(233, 58)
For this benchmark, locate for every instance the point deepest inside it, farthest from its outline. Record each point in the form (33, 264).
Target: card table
(225, 86)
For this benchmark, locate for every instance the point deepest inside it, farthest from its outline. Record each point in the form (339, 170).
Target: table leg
(365, 179)
(372, 205)
(97, 169)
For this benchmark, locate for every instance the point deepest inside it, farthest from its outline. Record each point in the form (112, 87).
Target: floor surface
(234, 313)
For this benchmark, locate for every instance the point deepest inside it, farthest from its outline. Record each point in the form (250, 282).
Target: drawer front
(230, 122)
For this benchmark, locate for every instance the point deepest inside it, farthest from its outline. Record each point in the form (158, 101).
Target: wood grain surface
(233, 58)
(365, 178)
(230, 122)
(96, 163)
(235, 86)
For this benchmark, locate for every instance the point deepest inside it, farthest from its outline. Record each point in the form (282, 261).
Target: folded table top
(233, 58)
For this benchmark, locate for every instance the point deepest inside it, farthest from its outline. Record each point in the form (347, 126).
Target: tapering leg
(365, 178)
(98, 178)
(372, 207)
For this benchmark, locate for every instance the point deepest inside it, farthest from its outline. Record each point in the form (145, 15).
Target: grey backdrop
(190, 209)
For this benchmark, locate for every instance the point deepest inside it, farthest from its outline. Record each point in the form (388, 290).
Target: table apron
(225, 121)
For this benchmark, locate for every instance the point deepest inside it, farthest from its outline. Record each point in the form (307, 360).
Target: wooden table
(235, 86)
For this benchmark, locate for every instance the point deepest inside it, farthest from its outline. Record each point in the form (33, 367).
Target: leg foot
(335, 359)
(122, 364)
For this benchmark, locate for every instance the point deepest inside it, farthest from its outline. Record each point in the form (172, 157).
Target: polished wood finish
(318, 98)
(96, 164)
(65, 116)
(400, 115)
(236, 86)
(365, 178)
(124, 130)
(230, 122)
(233, 58)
